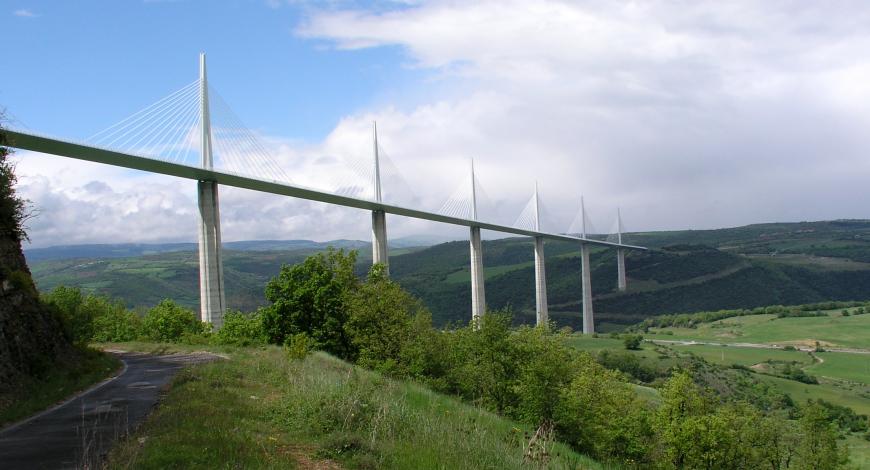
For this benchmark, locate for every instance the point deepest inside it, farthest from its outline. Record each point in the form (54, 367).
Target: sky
(683, 114)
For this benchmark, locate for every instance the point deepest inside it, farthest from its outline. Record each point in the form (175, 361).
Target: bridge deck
(36, 143)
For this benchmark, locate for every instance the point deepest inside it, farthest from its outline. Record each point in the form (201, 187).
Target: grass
(846, 366)
(260, 409)
(71, 375)
(833, 329)
(727, 356)
(802, 392)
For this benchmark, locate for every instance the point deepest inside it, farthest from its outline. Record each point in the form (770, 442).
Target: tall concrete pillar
(478, 300)
(212, 300)
(379, 240)
(379, 218)
(620, 269)
(620, 254)
(586, 282)
(542, 313)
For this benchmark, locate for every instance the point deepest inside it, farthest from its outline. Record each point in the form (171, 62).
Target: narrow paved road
(79, 432)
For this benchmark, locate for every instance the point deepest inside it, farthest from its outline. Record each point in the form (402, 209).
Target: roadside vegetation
(264, 407)
(678, 413)
(71, 374)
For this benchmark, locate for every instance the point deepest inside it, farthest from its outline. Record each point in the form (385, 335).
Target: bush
(241, 330)
(93, 317)
(169, 322)
(114, 323)
(633, 342)
(379, 325)
(311, 298)
(77, 321)
(297, 346)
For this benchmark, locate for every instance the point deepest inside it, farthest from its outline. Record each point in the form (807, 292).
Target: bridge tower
(620, 255)
(478, 300)
(379, 217)
(586, 277)
(540, 273)
(212, 300)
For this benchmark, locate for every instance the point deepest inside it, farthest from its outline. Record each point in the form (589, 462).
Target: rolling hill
(685, 271)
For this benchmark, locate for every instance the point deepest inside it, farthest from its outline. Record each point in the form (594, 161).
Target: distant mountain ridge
(124, 250)
(684, 271)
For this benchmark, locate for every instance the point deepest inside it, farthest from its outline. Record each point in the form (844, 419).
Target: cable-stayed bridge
(176, 136)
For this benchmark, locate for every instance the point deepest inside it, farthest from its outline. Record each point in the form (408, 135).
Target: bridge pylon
(586, 277)
(379, 217)
(541, 309)
(212, 299)
(478, 297)
(620, 255)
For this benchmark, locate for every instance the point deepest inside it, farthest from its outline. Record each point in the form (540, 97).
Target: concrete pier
(379, 240)
(542, 313)
(620, 269)
(586, 282)
(478, 300)
(212, 300)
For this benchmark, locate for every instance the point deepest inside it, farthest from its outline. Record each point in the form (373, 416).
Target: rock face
(31, 335)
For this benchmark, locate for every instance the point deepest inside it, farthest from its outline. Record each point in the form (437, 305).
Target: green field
(833, 330)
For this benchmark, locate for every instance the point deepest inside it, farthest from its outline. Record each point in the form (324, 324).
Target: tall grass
(262, 410)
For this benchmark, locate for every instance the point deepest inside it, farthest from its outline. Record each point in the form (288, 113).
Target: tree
(111, 320)
(601, 415)
(818, 449)
(168, 321)
(482, 363)
(682, 402)
(77, 320)
(380, 319)
(633, 342)
(312, 298)
(13, 209)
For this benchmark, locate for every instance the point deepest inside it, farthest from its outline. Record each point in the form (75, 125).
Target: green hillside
(685, 271)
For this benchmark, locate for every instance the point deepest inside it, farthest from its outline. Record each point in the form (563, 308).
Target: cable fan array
(466, 200)
(360, 179)
(169, 130)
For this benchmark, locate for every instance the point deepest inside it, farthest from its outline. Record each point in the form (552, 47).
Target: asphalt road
(79, 432)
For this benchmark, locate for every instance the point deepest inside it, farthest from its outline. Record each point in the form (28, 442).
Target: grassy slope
(72, 374)
(260, 410)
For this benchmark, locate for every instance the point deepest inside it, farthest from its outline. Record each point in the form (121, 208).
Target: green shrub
(241, 330)
(297, 346)
(78, 321)
(379, 324)
(311, 298)
(114, 323)
(169, 322)
(632, 342)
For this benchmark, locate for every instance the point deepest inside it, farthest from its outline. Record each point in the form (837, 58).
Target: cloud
(684, 114)
(687, 114)
(24, 13)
